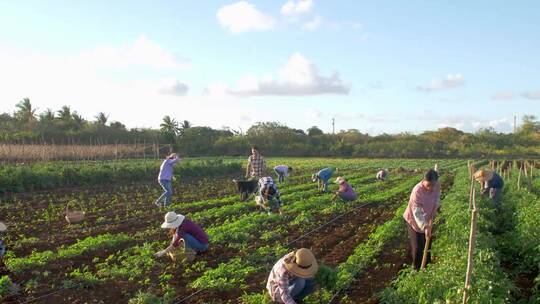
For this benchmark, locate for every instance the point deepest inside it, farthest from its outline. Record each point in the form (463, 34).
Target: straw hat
(172, 220)
(339, 180)
(302, 263)
(483, 175)
(3, 227)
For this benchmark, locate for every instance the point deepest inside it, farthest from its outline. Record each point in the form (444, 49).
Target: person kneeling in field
(165, 179)
(193, 237)
(282, 171)
(293, 277)
(323, 176)
(268, 198)
(345, 191)
(421, 210)
(491, 183)
(382, 175)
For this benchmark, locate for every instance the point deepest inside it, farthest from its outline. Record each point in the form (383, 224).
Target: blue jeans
(300, 288)
(193, 243)
(166, 196)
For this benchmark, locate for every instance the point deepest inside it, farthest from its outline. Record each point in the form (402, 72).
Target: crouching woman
(293, 277)
(193, 237)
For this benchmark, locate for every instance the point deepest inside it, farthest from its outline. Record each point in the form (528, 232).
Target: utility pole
(515, 124)
(333, 126)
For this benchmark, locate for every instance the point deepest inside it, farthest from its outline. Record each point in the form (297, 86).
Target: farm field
(108, 258)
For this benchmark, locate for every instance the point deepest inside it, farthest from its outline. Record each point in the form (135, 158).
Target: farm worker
(382, 174)
(256, 166)
(491, 183)
(3, 248)
(323, 176)
(292, 277)
(345, 191)
(268, 196)
(420, 212)
(165, 178)
(282, 171)
(184, 231)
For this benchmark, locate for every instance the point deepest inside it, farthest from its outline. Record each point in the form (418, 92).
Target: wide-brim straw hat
(483, 175)
(172, 220)
(339, 180)
(3, 227)
(302, 263)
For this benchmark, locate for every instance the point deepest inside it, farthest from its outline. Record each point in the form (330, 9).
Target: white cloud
(217, 89)
(243, 17)
(451, 81)
(503, 95)
(173, 87)
(314, 113)
(298, 77)
(299, 7)
(531, 95)
(471, 123)
(143, 52)
(313, 24)
(357, 26)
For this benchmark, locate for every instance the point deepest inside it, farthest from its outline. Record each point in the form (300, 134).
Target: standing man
(492, 183)
(282, 171)
(422, 208)
(256, 166)
(165, 179)
(293, 277)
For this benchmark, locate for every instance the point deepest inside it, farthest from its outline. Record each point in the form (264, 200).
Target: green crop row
(88, 245)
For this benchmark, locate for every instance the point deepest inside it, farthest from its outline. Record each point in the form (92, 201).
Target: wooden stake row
(472, 241)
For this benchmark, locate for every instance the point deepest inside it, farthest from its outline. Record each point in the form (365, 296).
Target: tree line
(273, 138)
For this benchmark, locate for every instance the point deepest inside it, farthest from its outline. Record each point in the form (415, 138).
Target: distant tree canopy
(65, 125)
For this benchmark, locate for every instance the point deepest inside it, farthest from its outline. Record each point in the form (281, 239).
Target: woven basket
(182, 253)
(74, 216)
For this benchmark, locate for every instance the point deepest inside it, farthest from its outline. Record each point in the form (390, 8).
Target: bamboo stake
(426, 247)
(470, 258)
(519, 179)
(469, 167)
(471, 192)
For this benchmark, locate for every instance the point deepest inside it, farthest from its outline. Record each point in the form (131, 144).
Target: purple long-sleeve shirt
(166, 169)
(192, 228)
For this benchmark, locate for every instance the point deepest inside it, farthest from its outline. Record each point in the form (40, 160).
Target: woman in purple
(165, 179)
(345, 191)
(184, 231)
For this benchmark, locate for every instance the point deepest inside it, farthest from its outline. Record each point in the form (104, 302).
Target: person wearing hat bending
(382, 175)
(421, 210)
(491, 183)
(184, 231)
(345, 191)
(268, 197)
(323, 176)
(293, 277)
(3, 248)
(165, 179)
(282, 171)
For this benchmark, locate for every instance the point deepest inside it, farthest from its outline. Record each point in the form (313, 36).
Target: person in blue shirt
(323, 176)
(492, 184)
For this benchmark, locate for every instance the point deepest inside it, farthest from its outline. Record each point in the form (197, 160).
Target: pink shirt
(422, 206)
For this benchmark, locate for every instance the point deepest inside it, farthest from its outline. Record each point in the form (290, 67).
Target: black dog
(245, 188)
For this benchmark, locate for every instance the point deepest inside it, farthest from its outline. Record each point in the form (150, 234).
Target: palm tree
(169, 129)
(183, 126)
(101, 118)
(26, 112)
(47, 116)
(78, 121)
(65, 113)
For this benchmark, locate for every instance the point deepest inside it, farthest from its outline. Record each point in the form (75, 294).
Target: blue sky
(379, 66)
